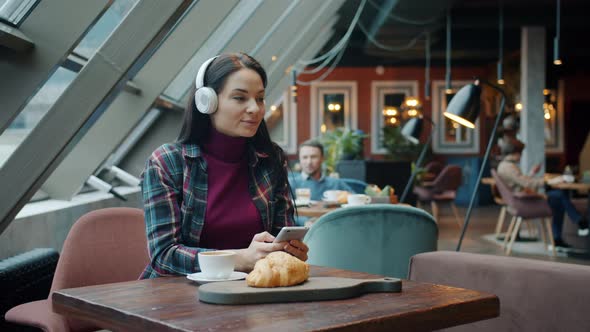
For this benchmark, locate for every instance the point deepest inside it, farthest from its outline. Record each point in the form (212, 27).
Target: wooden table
(315, 210)
(579, 186)
(171, 304)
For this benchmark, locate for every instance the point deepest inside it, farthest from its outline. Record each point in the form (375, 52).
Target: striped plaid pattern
(174, 185)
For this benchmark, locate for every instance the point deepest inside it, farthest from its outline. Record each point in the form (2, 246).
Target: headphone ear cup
(206, 100)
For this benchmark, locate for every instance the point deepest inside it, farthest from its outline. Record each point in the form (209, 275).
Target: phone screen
(291, 233)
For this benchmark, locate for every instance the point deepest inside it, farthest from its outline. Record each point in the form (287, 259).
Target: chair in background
(523, 206)
(25, 277)
(375, 238)
(434, 168)
(357, 186)
(502, 217)
(103, 246)
(442, 189)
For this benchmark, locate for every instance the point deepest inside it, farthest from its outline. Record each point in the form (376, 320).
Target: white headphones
(205, 97)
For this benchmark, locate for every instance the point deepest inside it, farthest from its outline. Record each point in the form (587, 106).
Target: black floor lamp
(464, 109)
(411, 131)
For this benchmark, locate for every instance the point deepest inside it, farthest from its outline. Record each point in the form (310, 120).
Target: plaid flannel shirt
(174, 185)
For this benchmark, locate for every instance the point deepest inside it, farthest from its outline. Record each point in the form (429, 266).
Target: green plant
(420, 172)
(341, 144)
(398, 147)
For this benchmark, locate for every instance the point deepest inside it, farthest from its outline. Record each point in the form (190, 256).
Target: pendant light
(448, 88)
(427, 68)
(501, 43)
(556, 59)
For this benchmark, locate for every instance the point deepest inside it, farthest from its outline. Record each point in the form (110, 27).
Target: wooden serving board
(314, 289)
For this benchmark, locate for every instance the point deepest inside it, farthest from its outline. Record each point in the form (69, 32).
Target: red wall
(576, 89)
(364, 76)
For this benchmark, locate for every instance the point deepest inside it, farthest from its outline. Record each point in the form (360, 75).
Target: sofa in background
(534, 295)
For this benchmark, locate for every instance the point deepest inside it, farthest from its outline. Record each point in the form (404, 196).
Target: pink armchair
(103, 246)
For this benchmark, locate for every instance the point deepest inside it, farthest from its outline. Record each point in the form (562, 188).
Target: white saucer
(348, 205)
(200, 279)
(329, 201)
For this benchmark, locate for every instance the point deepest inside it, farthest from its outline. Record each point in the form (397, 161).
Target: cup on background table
(218, 264)
(358, 199)
(332, 195)
(303, 196)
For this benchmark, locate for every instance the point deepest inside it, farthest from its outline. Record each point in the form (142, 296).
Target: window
(37, 107)
(333, 105)
(13, 12)
(280, 120)
(386, 99)
(49, 92)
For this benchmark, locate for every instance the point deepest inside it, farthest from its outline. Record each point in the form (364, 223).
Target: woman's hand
(297, 249)
(260, 246)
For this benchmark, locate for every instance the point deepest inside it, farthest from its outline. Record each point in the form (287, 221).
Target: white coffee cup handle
(367, 199)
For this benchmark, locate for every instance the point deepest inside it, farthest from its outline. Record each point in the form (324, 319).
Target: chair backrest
(375, 238)
(505, 192)
(531, 207)
(448, 179)
(103, 246)
(434, 167)
(534, 295)
(357, 186)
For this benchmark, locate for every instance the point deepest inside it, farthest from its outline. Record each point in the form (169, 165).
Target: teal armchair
(375, 238)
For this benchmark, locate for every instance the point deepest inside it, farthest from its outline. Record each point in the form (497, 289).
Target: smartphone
(291, 233)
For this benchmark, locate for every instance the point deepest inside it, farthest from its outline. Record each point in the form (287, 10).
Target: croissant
(278, 269)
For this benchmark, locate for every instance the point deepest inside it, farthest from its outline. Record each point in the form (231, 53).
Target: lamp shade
(464, 107)
(412, 129)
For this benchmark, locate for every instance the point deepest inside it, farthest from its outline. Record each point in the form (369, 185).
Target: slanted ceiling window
(13, 12)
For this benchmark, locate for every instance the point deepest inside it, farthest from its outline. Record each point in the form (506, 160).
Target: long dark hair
(196, 125)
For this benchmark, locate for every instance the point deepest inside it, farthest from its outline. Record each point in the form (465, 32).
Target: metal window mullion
(127, 110)
(29, 71)
(232, 24)
(37, 156)
(324, 16)
(282, 35)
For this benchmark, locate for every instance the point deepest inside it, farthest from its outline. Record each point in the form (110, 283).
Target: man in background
(311, 157)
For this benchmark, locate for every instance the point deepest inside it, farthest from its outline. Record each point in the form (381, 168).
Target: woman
(223, 184)
(558, 200)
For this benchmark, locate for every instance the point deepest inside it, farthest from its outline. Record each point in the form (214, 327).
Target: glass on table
(302, 196)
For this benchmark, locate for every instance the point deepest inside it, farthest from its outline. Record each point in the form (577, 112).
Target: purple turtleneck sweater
(231, 219)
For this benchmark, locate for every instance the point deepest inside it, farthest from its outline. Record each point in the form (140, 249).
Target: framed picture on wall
(281, 119)
(450, 137)
(333, 105)
(553, 113)
(387, 96)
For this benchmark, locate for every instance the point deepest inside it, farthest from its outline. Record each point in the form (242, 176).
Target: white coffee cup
(358, 199)
(218, 264)
(332, 195)
(568, 178)
(303, 195)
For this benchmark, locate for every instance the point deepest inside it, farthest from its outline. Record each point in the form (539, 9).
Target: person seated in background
(311, 157)
(559, 201)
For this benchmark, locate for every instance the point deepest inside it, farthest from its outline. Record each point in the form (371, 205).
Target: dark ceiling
(475, 37)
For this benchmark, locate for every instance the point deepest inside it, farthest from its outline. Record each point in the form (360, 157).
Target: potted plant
(341, 144)
(398, 147)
